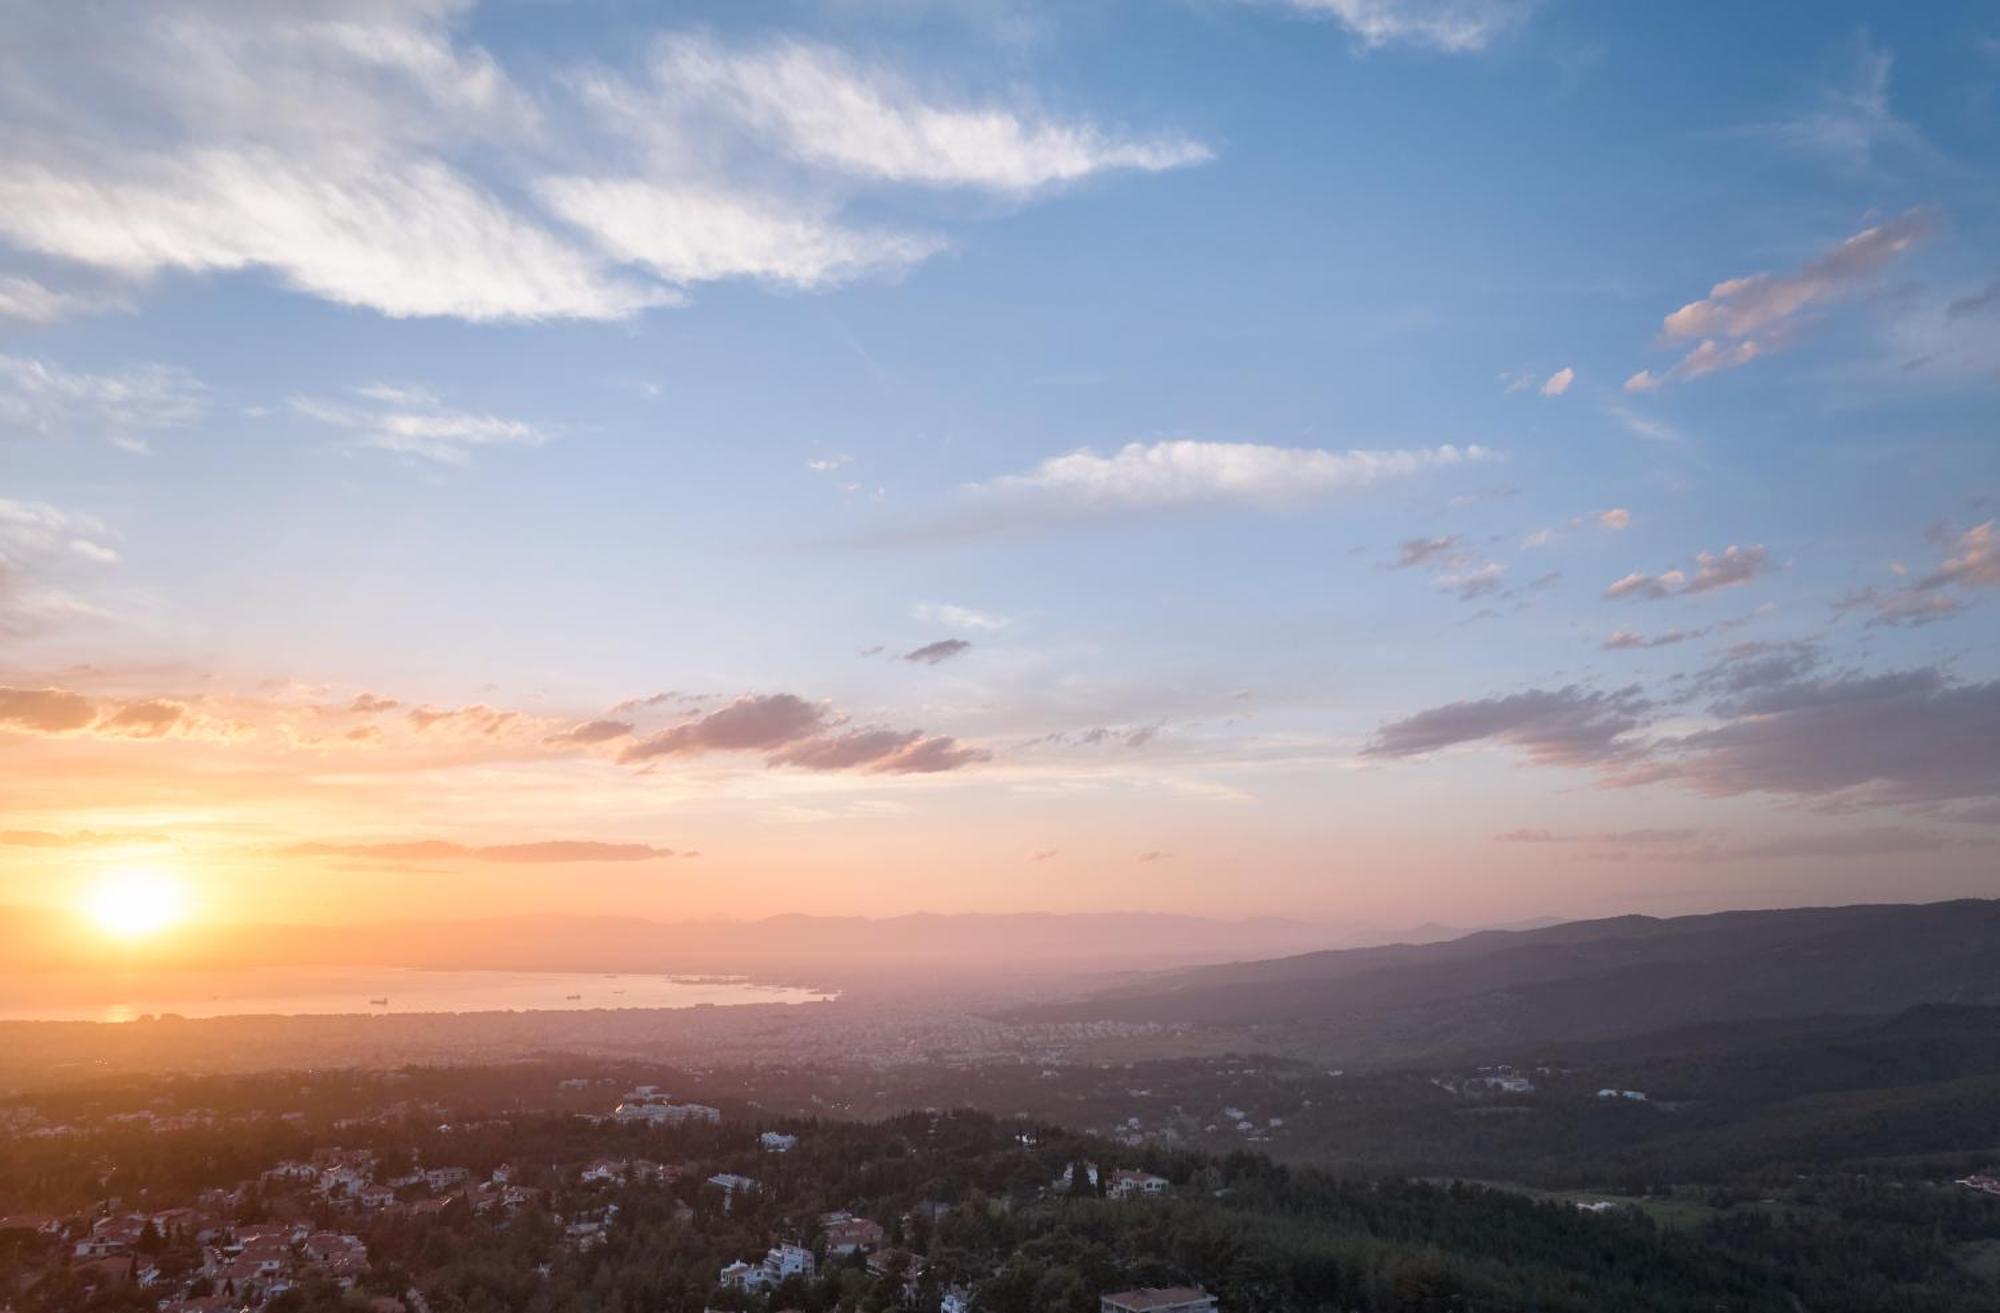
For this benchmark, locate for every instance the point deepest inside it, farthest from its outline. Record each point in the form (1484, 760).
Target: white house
(1131, 1185)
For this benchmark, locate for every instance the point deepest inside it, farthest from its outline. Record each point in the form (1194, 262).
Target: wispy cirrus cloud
(828, 111)
(41, 547)
(1849, 120)
(547, 851)
(370, 153)
(1743, 319)
(124, 406)
(26, 300)
(964, 618)
(1455, 26)
(412, 421)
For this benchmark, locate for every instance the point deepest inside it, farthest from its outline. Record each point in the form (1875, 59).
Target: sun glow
(136, 903)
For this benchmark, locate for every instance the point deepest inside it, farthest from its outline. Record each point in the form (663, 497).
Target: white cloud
(38, 543)
(1141, 476)
(1850, 122)
(367, 153)
(412, 421)
(960, 617)
(694, 234)
(825, 110)
(1451, 25)
(122, 406)
(27, 301)
(1558, 382)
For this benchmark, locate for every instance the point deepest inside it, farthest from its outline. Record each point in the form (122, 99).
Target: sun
(136, 903)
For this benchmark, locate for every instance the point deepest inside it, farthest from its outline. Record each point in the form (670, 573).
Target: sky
(1368, 461)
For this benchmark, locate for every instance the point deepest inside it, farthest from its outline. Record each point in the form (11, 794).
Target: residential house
(852, 1235)
(1168, 1299)
(1132, 1185)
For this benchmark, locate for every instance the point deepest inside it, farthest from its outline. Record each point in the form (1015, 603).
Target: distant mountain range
(792, 945)
(1501, 990)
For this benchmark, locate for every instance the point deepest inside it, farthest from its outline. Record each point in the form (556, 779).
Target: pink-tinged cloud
(1742, 319)
(1731, 567)
(45, 710)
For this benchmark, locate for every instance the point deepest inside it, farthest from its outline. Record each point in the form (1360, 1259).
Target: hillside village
(559, 1186)
(297, 1234)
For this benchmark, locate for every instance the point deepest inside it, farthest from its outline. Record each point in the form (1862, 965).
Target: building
(784, 1261)
(605, 1171)
(778, 1142)
(731, 1185)
(665, 1114)
(852, 1235)
(1132, 1185)
(1170, 1299)
(781, 1262)
(899, 1263)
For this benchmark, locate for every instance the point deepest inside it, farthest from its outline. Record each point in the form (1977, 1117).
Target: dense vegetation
(1887, 1234)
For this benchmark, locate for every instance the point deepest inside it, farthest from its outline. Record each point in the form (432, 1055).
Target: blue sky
(1365, 459)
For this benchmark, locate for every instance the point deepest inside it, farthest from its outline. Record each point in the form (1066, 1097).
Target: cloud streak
(1744, 319)
(365, 152)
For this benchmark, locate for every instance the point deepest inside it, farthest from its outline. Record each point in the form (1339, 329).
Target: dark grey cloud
(1607, 838)
(1907, 608)
(592, 731)
(1972, 562)
(1429, 552)
(1566, 726)
(1986, 298)
(750, 723)
(942, 650)
(1904, 736)
(845, 751)
(794, 732)
(1747, 667)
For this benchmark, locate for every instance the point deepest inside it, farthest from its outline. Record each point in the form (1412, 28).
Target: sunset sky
(1358, 460)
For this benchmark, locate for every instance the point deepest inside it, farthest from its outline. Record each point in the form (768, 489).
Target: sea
(288, 991)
